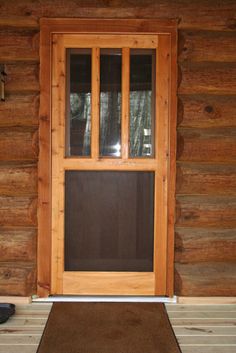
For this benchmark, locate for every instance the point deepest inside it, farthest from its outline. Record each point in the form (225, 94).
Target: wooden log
(20, 110)
(207, 46)
(209, 145)
(197, 14)
(18, 211)
(205, 212)
(22, 78)
(205, 279)
(18, 244)
(18, 145)
(207, 78)
(206, 111)
(202, 179)
(17, 278)
(209, 245)
(18, 180)
(19, 22)
(19, 45)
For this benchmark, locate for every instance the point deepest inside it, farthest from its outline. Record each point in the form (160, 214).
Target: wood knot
(209, 109)
(28, 13)
(7, 274)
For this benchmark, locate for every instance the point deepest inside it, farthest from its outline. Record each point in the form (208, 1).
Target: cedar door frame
(167, 28)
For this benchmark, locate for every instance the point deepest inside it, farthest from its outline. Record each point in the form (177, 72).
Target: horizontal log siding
(205, 232)
(19, 50)
(20, 110)
(206, 155)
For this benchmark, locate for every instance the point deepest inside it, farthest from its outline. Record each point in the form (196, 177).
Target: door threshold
(119, 299)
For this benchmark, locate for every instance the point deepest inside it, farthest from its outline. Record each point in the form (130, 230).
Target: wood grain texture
(109, 283)
(20, 179)
(172, 166)
(205, 279)
(110, 40)
(206, 111)
(207, 78)
(44, 170)
(22, 22)
(19, 110)
(95, 108)
(18, 144)
(18, 244)
(193, 15)
(162, 182)
(206, 93)
(19, 45)
(22, 78)
(197, 46)
(57, 156)
(17, 278)
(205, 245)
(202, 212)
(125, 105)
(18, 211)
(205, 179)
(212, 145)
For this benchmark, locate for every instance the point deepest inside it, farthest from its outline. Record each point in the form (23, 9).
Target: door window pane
(110, 102)
(78, 134)
(142, 102)
(109, 221)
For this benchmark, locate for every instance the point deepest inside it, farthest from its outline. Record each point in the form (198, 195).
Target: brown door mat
(108, 328)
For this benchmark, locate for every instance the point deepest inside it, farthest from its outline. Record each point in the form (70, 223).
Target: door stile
(162, 155)
(125, 103)
(58, 151)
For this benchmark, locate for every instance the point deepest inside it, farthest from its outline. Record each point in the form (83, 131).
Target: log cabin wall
(205, 241)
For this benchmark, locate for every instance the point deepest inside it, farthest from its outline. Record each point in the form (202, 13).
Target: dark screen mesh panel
(109, 221)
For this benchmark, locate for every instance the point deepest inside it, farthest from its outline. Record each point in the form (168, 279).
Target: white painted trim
(119, 299)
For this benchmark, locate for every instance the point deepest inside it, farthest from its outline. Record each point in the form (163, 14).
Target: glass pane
(78, 132)
(142, 102)
(110, 102)
(109, 221)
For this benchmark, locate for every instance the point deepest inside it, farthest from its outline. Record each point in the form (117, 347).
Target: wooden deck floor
(199, 328)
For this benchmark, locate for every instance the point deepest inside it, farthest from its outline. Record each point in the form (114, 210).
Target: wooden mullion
(95, 111)
(125, 103)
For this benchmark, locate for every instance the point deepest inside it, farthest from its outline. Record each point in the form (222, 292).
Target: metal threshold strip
(118, 299)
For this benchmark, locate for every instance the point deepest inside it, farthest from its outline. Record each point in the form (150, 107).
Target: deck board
(198, 328)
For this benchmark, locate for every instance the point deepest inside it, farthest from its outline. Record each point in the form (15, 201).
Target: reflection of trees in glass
(110, 104)
(140, 119)
(110, 124)
(80, 118)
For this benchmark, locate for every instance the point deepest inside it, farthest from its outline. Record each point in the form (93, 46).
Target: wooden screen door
(110, 146)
